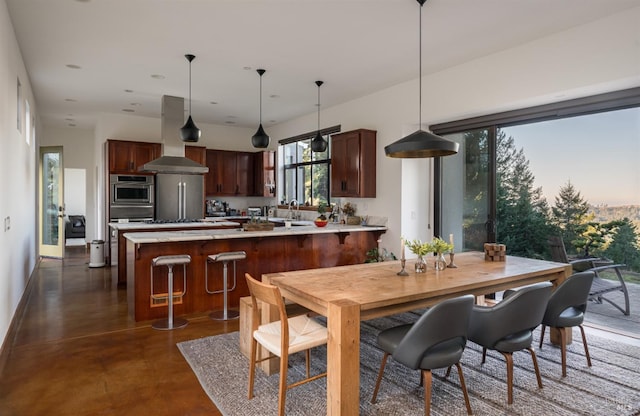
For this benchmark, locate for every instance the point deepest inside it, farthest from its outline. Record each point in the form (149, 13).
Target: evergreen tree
(523, 213)
(570, 215)
(624, 246)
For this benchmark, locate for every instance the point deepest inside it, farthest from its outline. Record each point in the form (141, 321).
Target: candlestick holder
(451, 265)
(402, 272)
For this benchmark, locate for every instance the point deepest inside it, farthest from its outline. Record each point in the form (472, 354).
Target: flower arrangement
(348, 209)
(419, 248)
(440, 246)
(437, 245)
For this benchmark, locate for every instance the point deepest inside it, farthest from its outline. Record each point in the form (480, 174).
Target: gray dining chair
(508, 326)
(566, 309)
(436, 340)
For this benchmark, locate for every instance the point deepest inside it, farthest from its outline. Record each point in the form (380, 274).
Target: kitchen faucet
(290, 215)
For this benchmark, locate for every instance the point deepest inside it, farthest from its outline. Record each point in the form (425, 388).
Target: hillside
(605, 213)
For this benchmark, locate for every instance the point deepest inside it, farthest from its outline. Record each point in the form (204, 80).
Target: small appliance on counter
(216, 208)
(254, 211)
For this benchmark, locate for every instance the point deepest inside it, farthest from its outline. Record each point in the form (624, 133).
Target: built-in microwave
(132, 197)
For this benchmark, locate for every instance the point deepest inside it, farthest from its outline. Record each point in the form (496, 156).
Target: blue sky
(598, 153)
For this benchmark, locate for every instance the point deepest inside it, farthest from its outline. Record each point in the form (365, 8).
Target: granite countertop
(212, 234)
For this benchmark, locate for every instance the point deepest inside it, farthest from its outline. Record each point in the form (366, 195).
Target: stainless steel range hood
(172, 159)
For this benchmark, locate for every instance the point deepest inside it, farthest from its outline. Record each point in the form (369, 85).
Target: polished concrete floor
(77, 352)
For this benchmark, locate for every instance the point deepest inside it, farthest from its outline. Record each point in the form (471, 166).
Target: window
(305, 174)
(504, 181)
(19, 105)
(27, 119)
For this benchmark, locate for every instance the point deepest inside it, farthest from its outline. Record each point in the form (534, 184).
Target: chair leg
(563, 349)
(535, 366)
(252, 367)
(584, 342)
(542, 335)
(484, 355)
(448, 372)
(382, 365)
(427, 379)
(463, 386)
(307, 355)
(282, 390)
(509, 359)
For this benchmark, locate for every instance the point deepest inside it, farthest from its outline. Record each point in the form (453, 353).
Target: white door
(51, 202)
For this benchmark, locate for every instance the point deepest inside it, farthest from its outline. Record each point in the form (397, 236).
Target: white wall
(17, 178)
(598, 57)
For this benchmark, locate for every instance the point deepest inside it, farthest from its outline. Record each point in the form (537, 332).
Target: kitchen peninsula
(278, 250)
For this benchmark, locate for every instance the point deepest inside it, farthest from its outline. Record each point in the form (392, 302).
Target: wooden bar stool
(225, 258)
(170, 261)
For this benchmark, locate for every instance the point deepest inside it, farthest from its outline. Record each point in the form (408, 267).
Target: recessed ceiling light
(274, 96)
(68, 119)
(246, 68)
(232, 117)
(213, 102)
(72, 125)
(272, 121)
(128, 110)
(157, 76)
(71, 100)
(229, 122)
(129, 91)
(73, 66)
(135, 104)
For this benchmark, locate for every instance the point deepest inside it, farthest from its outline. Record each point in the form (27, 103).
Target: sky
(599, 154)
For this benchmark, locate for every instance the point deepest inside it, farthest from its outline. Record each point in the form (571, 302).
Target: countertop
(212, 234)
(208, 222)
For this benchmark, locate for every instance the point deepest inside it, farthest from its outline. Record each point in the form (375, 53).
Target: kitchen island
(118, 245)
(278, 250)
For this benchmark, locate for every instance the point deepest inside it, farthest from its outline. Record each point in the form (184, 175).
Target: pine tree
(624, 246)
(523, 213)
(570, 215)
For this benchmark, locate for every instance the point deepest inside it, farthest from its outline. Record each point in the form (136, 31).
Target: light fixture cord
(261, 99)
(318, 108)
(420, 70)
(189, 88)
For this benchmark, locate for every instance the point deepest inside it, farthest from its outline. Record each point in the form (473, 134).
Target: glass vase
(440, 263)
(421, 265)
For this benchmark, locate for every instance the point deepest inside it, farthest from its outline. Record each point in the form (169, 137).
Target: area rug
(610, 387)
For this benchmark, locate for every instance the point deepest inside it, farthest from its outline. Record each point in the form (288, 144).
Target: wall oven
(132, 197)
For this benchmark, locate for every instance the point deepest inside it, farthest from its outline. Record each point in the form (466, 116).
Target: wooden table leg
(343, 358)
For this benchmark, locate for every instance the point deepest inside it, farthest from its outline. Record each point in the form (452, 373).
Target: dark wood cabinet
(230, 173)
(353, 164)
(264, 165)
(196, 153)
(126, 157)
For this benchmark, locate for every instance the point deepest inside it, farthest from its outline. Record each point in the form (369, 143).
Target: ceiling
(86, 57)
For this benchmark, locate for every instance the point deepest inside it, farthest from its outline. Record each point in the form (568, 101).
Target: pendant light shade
(190, 132)
(261, 139)
(318, 143)
(421, 144)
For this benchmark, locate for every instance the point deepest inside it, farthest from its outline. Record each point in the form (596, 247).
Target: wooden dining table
(347, 295)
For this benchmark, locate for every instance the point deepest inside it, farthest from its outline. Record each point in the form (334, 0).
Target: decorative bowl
(320, 223)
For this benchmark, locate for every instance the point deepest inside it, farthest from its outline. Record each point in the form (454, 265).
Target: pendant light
(318, 144)
(190, 132)
(421, 144)
(261, 139)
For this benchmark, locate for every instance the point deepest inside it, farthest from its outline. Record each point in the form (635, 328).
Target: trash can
(96, 258)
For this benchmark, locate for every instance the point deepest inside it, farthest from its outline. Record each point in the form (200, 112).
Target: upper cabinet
(196, 153)
(126, 157)
(264, 165)
(353, 164)
(230, 173)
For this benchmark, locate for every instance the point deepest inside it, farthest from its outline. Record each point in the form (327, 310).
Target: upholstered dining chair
(281, 338)
(565, 309)
(436, 340)
(508, 326)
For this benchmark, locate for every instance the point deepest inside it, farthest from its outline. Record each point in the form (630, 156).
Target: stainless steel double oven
(132, 197)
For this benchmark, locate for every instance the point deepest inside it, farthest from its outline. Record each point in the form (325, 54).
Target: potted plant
(322, 220)
(439, 248)
(350, 211)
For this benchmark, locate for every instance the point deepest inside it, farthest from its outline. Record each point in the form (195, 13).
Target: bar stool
(170, 261)
(225, 258)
